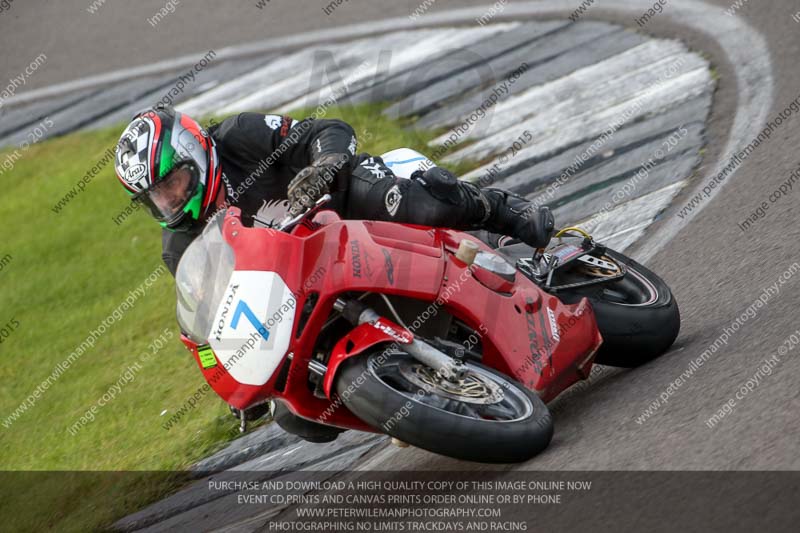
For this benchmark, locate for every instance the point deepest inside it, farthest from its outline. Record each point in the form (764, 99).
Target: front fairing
(244, 313)
(201, 279)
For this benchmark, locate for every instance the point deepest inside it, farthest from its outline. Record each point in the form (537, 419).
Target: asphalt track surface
(716, 270)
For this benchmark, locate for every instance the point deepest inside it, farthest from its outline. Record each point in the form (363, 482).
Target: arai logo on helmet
(135, 173)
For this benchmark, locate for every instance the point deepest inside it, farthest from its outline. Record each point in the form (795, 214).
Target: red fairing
(519, 337)
(527, 333)
(363, 337)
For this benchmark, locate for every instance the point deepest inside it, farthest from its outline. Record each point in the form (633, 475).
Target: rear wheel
(637, 314)
(486, 417)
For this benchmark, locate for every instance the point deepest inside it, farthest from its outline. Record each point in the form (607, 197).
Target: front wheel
(486, 417)
(637, 315)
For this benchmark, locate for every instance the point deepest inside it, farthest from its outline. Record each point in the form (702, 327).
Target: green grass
(69, 271)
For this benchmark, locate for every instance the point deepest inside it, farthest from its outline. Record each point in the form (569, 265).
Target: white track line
(745, 48)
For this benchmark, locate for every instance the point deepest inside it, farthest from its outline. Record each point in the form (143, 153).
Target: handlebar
(289, 222)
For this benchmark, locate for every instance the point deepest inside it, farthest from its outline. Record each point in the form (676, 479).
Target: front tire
(637, 315)
(493, 418)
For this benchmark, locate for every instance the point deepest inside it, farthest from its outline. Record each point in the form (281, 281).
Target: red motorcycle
(425, 334)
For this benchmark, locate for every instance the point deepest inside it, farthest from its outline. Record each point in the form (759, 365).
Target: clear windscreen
(202, 278)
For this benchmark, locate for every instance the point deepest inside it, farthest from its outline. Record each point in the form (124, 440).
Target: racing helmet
(167, 161)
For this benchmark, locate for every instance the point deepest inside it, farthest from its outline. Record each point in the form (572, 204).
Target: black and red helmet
(168, 161)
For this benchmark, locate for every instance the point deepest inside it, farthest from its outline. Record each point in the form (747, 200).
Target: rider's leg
(437, 198)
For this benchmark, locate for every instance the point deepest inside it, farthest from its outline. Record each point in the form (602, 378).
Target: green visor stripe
(167, 160)
(193, 206)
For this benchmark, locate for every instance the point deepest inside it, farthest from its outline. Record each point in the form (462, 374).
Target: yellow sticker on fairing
(206, 355)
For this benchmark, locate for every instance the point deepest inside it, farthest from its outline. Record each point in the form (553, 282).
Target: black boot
(513, 215)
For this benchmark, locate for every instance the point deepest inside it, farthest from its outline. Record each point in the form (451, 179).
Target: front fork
(358, 313)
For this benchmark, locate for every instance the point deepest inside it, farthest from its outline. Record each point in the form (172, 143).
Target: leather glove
(313, 182)
(305, 189)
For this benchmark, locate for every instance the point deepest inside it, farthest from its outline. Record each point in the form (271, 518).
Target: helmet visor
(168, 198)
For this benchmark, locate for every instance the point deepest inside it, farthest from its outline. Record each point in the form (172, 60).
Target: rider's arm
(173, 244)
(276, 139)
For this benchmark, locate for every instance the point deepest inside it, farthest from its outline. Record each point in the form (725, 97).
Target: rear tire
(411, 410)
(637, 315)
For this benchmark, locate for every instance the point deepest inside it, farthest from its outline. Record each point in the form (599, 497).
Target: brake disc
(472, 389)
(602, 267)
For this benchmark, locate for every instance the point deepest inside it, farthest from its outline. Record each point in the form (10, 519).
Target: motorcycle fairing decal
(388, 265)
(547, 341)
(533, 341)
(244, 309)
(399, 334)
(206, 356)
(355, 257)
(253, 326)
(551, 317)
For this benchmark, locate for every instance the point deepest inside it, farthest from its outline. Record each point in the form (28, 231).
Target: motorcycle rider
(270, 166)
